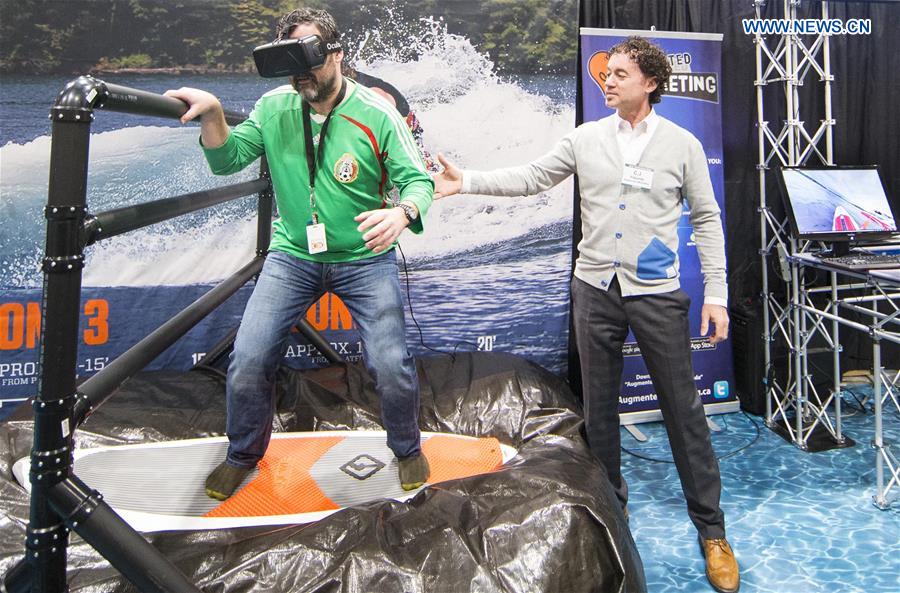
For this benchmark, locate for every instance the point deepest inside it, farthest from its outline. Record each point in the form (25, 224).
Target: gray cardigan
(627, 231)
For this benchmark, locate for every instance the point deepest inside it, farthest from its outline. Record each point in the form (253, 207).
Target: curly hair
(320, 18)
(650, 58)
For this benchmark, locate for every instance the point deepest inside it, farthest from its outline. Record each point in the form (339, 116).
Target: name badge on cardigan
(634, 176)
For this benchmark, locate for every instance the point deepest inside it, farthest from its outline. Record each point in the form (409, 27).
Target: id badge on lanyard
(315, 231)
(315, 238)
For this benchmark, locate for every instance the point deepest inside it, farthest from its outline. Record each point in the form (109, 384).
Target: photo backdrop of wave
(488, 272)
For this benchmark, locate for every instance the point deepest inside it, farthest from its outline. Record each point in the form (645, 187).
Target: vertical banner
(488, 274)
(691, 100)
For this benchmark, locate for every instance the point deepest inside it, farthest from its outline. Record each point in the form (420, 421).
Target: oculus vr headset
(289, 57)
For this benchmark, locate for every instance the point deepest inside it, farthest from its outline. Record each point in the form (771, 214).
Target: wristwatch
(411, 213)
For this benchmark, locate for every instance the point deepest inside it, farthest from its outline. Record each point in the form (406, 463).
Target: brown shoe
(721, 567)
(224, 480)
(414, 471)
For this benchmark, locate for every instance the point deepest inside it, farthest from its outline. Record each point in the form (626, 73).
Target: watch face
(410, 212)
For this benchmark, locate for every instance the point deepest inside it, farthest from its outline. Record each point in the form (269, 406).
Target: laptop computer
(846, 207)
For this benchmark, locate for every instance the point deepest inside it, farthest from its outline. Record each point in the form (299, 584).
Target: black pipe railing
(316, 339)
(18, 579)
(46, 541)
(99, 387)
(122, 220)
(93, 519)
(84, 94)
(59, 501)
(137, 102)
(212, 356)
(303, 326)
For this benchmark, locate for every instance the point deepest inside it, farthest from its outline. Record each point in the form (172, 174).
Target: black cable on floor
(719, 458)
(859, 408)
(748, 445)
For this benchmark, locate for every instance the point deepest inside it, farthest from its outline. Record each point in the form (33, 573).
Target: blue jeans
(286, 287)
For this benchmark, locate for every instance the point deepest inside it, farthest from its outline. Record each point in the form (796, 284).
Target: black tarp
(547, 521)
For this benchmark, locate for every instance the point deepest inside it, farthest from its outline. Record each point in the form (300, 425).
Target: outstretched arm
(448, 181)
(525, 180)
(213, 128)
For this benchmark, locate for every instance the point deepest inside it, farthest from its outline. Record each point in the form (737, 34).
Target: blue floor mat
(799, 522)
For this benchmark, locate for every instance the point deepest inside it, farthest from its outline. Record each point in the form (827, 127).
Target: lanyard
(312, 158)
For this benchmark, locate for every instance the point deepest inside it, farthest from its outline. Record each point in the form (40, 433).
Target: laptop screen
(837, 203)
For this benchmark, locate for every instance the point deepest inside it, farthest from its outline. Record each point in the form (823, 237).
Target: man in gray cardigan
(635, 169)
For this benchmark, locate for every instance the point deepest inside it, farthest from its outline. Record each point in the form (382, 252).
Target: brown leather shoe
(414, 471)
(721, 567)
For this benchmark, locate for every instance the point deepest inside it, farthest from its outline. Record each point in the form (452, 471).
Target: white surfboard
(304, 477)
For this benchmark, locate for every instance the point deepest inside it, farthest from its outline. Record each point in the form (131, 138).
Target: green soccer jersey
(368, 148)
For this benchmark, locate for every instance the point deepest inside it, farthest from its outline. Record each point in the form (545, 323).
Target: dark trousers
(660, 325)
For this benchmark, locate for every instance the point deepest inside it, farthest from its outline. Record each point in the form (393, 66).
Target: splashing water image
(475, 275)
(467, 112)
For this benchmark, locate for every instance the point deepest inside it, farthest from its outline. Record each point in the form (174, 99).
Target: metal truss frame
(793, 320)
(880, 305)
(786, 62)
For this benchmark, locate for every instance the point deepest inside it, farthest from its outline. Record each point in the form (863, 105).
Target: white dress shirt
(633, 141)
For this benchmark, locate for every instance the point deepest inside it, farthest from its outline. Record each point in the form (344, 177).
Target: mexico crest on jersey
(346, 168)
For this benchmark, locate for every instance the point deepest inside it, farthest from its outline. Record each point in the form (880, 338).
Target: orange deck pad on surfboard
(284, 485)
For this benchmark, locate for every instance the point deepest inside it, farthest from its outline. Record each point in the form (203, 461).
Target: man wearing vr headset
(333, 147)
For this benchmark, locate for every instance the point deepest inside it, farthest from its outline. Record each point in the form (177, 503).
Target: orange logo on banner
(329, 312)
(20, 324)
(597, 65)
